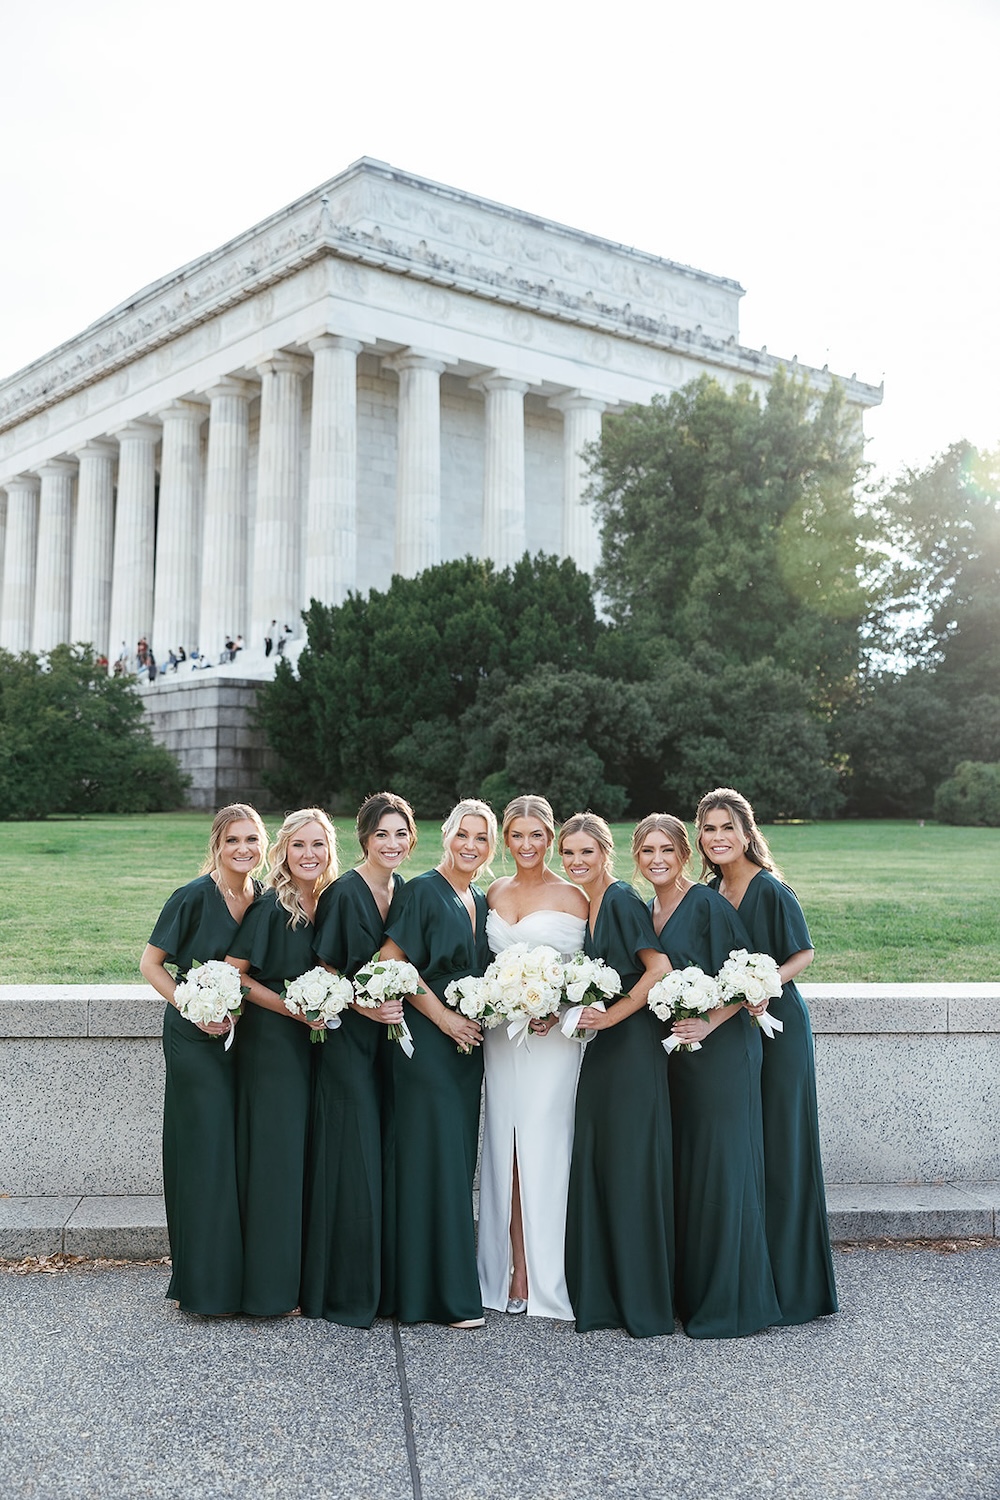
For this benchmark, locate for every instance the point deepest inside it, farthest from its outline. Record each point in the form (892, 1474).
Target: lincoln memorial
(383, 375)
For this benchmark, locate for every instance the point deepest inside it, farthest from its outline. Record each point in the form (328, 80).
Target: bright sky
(840, 161)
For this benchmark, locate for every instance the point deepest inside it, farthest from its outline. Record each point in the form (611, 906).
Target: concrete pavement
(106, 1390)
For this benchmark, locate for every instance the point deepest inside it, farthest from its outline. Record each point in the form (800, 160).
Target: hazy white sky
(839, 160)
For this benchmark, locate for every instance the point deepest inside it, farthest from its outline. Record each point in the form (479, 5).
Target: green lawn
(884, 900)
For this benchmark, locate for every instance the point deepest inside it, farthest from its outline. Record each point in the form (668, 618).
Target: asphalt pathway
(106, 1390)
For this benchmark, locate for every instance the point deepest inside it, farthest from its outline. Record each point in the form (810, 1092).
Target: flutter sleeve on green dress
(432, 1130)
(272, 1116)
(724, 1286)
(619, 1222)
(199, 1116)
(798, 1232)
(342, 1246)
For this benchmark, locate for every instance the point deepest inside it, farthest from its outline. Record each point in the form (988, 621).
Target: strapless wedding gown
(530, 1100)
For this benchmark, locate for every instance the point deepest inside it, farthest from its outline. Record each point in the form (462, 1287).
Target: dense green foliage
(73, 740)
(902, 733)
(971, 797)
(758, 602)
(383, 682)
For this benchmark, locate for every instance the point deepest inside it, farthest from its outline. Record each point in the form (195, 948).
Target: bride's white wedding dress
(530, 1101)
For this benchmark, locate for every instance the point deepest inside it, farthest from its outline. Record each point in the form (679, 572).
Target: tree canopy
(74, 740)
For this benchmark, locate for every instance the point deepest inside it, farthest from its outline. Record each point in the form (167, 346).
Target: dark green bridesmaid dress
(723, 1286)
(620, 1214)
(274, 1078)
(798, 1233)
(342, 1250)
(432, 1120)
(199, 1116)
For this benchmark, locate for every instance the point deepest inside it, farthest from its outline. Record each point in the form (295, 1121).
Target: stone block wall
(908, 1079)
(206, 723)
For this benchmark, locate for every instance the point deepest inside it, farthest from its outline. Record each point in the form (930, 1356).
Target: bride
(530, 1089)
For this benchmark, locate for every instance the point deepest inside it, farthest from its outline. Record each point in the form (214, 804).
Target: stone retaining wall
(908, 1079)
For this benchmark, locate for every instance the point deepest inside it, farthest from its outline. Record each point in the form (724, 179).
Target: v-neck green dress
(432, 1122)
(342, 1252)
(798, 1233)
(620, 1214)
(199, 1116)
(723, 1286)
(274, 1073)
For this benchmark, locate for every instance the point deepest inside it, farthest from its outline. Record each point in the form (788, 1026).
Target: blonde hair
(233, 812)
(663, 823)
(730, 801)
(529, 806)
(470, 807)
(595, 828)
(279, 877)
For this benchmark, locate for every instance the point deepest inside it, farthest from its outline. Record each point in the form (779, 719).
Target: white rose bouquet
(388, 979)
(681, 995)
(479, 999)
(752, 979)
(586, 982)
(319, 996)
(212, 991)
(526, 985)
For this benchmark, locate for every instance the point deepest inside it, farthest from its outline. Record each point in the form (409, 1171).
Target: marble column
(581, 425)
(277, 541)
(178, 531)
(135, 519)
(418, 462)
(17, 599)
(331, 563)
(505, 536)
(225, 536)
(93, 546)
(53, 571)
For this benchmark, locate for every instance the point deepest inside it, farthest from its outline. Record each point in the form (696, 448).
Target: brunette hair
(279, 877)
(596, 828)
(663, 823)
(233, 812)
(374, 808)
(726, 799)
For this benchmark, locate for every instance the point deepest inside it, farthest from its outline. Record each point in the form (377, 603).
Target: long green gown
(274, 1079)
(798, 1233)
(432, 1122)
(341, 1260)
(199, 1116)
(620, 1214)
(723, 1285)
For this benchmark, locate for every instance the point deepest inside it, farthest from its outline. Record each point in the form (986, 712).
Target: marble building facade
(385, 374)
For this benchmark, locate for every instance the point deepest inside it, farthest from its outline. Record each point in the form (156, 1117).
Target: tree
(944, 523)
(971, 797)
(737, 523)
(383, 681)
(73, 739)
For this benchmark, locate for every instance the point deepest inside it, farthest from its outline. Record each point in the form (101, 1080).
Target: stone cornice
(406, 226)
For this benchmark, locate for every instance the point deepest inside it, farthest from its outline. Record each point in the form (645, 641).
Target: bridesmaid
(723, 1285)
(620, 1216)
(438, 924)
(341, 1265)
(199, 923)
(530, 1087)
(735, 852)
(273, 946)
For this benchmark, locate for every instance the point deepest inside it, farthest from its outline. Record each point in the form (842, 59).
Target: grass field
(884, 900)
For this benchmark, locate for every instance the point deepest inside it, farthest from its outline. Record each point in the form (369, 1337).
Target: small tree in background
(74, 740)
(971, 797)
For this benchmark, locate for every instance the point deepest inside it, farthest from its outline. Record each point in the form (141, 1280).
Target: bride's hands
(543, 1026)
